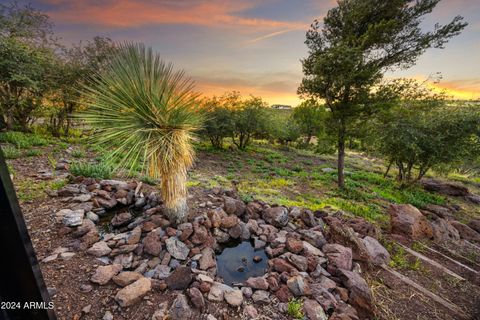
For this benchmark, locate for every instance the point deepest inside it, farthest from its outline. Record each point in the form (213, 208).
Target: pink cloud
(130, 13)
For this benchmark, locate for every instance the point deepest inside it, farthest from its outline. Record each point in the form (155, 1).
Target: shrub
(23, 140)
(416, 139)
(294, 308)
(11, 152)
(33, 152)
(91, 170)
(249, 120)
(218, 123)
(78, 154)
(310, 119)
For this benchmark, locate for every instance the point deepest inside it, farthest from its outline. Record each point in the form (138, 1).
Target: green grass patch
(91, 170)
(78, 154)
(23, 140)
(33, 152)
(10, 152)
(294, 308)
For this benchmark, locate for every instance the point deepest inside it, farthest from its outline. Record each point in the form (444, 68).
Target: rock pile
(146, 253)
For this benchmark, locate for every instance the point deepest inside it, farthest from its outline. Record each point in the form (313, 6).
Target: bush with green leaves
(281, 127)
(416, 139)
(10, 152)
(91, 170)
(249, 120)
(310, 117)
(218, 123)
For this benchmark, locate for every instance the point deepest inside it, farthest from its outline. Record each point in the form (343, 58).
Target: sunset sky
(253, 46)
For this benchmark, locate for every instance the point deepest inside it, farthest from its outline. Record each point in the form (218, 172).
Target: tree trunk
(178, 213)
(341, 154)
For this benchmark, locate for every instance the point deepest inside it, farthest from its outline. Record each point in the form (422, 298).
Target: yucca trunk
(174, 193)
(173, 157)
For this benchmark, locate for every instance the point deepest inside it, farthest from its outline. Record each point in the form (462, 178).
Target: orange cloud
(129, 13)
(460, 89)
(274, 88)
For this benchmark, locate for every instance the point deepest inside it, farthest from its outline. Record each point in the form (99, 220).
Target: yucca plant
(145, 113)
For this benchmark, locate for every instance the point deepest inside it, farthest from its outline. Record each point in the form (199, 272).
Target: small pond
(239, 261)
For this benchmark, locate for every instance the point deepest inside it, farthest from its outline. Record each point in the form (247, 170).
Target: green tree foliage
(356, 43)
(282, 127)
(249, 119)
(218, 123)
(73, 66)
(26, 60)
(147, 112)
(310, 117)
(425, 131)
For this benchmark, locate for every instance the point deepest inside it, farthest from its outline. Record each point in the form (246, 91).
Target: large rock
(444, 231)
(234, 297)
(276, 216)
(180, 278)
(313, 310)
(261, 296)
(466, 232)
(234, 206)
(360, 295)
(229, 221)
(73, 218)
(217, 291)
(475, 224)
(132, 293)
(196, 297)
(257, 283)
(125, 278)
(99, 249)
(377, 253)
(345, 235)
(408, 221)
(339, 257)
(207, 260)
(177, 248)
(447, 188)
(298, 286)
(152, 244)
(180, 309)
(121, 219)
(103, 274)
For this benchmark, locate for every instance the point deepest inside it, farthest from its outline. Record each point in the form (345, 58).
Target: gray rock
(261, 296)
(234, 297)
(207, 260)
(133, 293)
(177, 248)
(298, 286)
(313, 310)
(217, 291)
(107, 316)
(99, 249)
(92, 216)
(73, 218)
(276, 216)
(161, 271)
(377, 253)
(180, 309)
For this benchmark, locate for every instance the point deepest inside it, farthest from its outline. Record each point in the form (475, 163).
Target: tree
(249, 119)
(72, 67)
(147, 112)
(358, 41)
(310, 118)
(26, 63)
(418, 140)
(282, 127)
(218, 123)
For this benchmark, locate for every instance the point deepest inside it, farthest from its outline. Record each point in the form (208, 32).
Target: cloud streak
(131, 13)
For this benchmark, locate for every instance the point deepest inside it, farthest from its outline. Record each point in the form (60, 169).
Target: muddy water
(235, 264)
